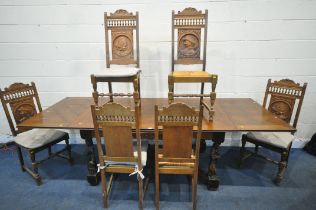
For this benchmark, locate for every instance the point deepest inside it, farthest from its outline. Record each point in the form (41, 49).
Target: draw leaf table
(231, 114)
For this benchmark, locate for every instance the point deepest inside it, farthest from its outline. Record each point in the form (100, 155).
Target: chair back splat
(20, 102)
(281, 97)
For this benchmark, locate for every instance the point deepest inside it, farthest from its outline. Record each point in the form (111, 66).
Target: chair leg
(35, 174)
(140, 193)
(282, 167)
(110, 91)
(68, 147)
(171, 89)
(104, 191)
(20, 157)
(157, 188)
(242, 151)
(194, 190)
(256, 149)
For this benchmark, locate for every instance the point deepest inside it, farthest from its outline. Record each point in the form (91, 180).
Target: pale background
(59, 43)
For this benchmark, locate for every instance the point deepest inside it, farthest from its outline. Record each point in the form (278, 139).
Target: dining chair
(177, 156)
(122, 63)
(20, 102)
(119, 155)
(284, 99)
(189, 27)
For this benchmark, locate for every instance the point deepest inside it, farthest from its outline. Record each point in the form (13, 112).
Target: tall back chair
(116, 123)
(283, 98)
(20, 102)
(177, 156)
(190, 25)
(122, 50)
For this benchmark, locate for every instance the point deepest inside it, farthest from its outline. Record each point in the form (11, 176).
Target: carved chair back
(178, 121)
(120, 28)
(20, 102)
(281, 98)
(116, 123)
(189, 25)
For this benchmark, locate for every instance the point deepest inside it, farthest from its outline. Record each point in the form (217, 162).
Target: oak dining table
(231, 115)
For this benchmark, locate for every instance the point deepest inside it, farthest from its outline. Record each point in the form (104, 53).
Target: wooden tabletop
(231, 114)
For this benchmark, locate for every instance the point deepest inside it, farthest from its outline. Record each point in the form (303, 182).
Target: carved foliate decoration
(189, 43)
(121, 12)
(282, 106)
(122, 44)
(190, 11)
(23, 109)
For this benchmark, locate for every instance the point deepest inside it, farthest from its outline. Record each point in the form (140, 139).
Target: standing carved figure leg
(213, 181)
(282, 167)
(92, 177)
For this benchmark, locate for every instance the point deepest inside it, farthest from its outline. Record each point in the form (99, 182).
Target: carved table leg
(92, 177)
(213, 181)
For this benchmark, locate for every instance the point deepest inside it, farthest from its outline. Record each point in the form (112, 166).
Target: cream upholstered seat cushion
(121, 72)
(38, 137)
(279, 139)
(144, 160)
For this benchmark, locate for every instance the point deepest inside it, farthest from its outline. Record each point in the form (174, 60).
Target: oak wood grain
(231, 114)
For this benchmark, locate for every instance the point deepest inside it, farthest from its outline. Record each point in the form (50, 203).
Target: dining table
(231, 115)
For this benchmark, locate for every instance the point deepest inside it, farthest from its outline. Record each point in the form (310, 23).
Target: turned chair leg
(282, 166)
(242, 151)
(140, 193)
(104, 191)
(68, 147)
(171, 89)
(157, 189)
(35, 174)
(256, 149)
(20, 157)
(194, 190)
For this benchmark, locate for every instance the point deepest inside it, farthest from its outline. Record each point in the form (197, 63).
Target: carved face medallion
(189, 44)
(122, 44)
(23, 110)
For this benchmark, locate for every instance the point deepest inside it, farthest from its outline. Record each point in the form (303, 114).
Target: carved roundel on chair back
(282, 107)
(122, 44)
(23, 109)
(188, 24)
(189, 43)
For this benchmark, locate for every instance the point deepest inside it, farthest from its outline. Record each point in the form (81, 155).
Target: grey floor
(65, 187)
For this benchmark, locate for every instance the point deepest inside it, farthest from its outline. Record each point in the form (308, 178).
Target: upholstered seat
(278, 139)
(121, 72)
(38, 137)
(144, 159)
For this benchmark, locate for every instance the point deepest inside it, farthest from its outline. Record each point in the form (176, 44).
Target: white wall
(59, 43)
